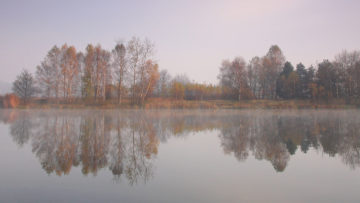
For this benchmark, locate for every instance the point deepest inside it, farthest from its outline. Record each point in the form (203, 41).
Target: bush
(9, 101)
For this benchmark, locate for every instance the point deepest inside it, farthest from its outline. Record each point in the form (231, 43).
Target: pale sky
(191, 36)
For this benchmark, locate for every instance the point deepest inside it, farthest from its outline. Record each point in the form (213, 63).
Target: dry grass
(160, 103)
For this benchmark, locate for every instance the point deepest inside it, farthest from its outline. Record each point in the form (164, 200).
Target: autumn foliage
(9, 101)
(130, 74)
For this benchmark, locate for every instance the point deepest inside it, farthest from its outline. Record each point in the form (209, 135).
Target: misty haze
(180, 101)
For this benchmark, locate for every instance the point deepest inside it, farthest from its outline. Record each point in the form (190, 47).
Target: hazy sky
(191, 36)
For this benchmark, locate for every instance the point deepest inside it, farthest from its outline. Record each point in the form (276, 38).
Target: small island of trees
(129, 76)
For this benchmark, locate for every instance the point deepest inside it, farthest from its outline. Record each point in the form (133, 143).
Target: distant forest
(129, 72)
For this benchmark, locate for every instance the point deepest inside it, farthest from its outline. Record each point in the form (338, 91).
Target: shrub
(9, 101)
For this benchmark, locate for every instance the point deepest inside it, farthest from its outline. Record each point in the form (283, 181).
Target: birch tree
(69, 72)
(139, 52)
(102, 72)
(97, 73)
(120, 68)
(47, 73)
(149, 75)
(87, 77)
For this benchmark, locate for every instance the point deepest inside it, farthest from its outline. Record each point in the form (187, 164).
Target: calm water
(180, 156)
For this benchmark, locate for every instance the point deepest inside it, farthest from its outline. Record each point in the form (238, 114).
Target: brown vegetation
(9, 101)
(129, 77)
(163, 103)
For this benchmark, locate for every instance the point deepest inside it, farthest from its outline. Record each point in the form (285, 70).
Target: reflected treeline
(126, 142)
(277, 136)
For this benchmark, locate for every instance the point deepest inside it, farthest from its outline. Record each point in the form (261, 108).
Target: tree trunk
(119, 93)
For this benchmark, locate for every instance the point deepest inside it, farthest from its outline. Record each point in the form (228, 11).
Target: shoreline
(155, 103)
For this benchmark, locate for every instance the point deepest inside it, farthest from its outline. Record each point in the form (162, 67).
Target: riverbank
(155, 103)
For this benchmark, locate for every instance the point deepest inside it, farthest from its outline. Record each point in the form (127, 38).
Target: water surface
(179, 156)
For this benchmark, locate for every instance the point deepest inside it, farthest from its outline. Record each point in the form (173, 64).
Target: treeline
(66, 74)
(272, 77)
(129, 72)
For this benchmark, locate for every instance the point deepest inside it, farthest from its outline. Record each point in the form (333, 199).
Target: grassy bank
(155, 103)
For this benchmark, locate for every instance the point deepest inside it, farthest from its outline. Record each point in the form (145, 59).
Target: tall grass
(161, 103)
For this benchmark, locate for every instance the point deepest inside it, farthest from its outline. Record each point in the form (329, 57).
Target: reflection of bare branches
(141, 146)
(56, 144)
(117, 149)
(126, 142)
(352, 157)
(21, 128)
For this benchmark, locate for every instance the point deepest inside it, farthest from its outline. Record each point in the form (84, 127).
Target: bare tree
(347, 66)
(139, 52)
(163, 84)
(47, 73)
(24, 86)
(120, 67)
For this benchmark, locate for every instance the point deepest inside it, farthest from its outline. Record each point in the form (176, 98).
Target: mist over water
(179, 155)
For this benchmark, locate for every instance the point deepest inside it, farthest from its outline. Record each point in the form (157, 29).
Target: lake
(180, 156)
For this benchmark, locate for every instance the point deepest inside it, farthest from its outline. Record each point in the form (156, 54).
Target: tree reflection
(277, 136)
(126, 142)
(21, 129)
